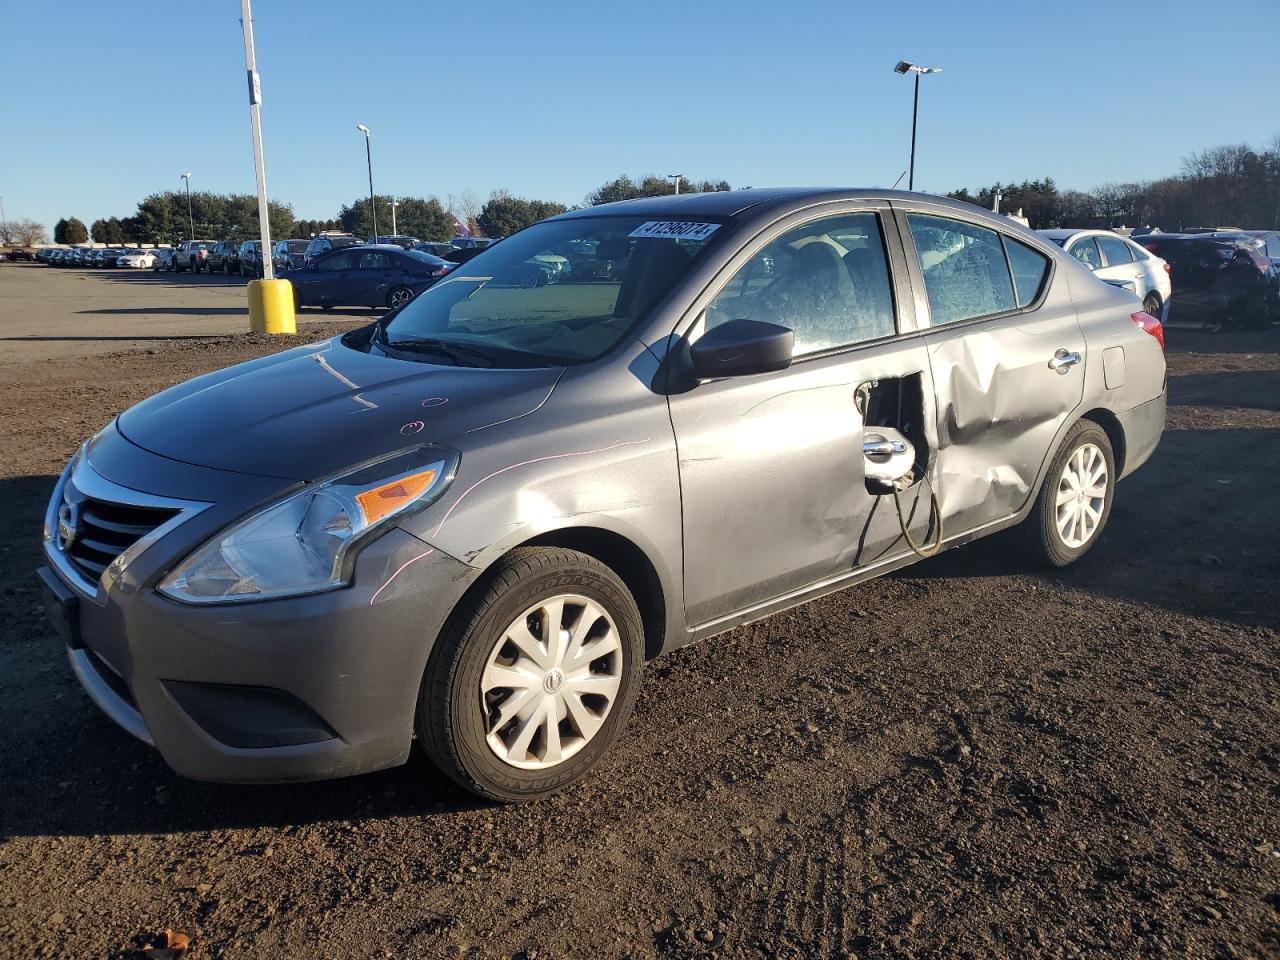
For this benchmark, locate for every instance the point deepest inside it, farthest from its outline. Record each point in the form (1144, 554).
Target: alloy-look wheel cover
(1082, 495)
(550, 681)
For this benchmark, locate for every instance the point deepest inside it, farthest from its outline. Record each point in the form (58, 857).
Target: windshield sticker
(674, 230)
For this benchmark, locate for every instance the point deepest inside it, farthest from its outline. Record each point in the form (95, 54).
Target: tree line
(165, 218)
(1235, 186)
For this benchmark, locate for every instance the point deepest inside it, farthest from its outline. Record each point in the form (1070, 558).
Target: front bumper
(295, 689)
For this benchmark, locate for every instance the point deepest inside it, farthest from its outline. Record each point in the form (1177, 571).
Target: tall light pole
(190, 219)
(368, 155)
(255, 122)
(676, 177)
(394, 203)
(905, 67)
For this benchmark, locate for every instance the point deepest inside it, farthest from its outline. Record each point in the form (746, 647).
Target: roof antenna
(899, 180)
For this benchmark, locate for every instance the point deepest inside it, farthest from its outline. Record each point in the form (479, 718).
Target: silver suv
(471, 523)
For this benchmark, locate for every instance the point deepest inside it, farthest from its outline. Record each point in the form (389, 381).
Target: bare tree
(23, 233)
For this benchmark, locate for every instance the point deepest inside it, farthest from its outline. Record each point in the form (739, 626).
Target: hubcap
(550, 681)
(1082, 495)
(399, 298)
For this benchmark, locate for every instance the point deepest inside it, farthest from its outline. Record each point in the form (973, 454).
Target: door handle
(1064, 359)
(880, 447)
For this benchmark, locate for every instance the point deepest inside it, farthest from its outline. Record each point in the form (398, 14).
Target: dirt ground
(968, 759)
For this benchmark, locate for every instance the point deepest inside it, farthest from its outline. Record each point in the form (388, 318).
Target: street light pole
(191, 220)
(676, 177)
(904, 67)
(394, 203)
(368, 155)
(255, 122)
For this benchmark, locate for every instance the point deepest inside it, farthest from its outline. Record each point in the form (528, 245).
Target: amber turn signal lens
(390, 497)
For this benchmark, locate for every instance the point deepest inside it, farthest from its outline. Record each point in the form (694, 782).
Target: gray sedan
(472, 522)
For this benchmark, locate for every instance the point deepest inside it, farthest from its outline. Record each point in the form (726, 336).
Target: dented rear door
(1006, 382)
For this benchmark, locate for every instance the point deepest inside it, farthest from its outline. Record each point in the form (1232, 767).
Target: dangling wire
(926, 551)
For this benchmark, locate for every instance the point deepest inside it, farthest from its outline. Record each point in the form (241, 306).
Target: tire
(326, 306)
(398, 297)
(1040, 538)
(455, 717)
(1152, 304)
(226, 268)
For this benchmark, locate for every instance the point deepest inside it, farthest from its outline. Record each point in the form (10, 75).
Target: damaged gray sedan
(473, 522)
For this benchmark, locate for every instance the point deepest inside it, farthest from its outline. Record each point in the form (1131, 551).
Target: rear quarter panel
(1125, 366)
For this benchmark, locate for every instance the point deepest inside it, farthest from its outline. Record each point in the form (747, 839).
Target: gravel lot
(968, 759)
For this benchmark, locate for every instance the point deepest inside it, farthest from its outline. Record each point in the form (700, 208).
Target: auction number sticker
(674, 230)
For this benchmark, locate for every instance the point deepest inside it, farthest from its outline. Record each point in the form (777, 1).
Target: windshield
(560, 292)
(296, 246)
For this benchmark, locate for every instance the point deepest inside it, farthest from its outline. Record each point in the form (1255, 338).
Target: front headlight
(302, 544)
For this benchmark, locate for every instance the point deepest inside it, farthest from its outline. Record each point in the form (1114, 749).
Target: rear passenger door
(1119, 265)
(1007, 355)
(376, 272)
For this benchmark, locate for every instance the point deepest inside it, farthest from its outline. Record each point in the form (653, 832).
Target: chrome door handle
(882, 448)
(1064, 359)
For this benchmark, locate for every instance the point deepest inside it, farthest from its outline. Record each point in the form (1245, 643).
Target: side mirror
(742, 347)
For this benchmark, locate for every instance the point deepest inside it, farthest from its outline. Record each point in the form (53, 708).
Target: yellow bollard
(271, 307)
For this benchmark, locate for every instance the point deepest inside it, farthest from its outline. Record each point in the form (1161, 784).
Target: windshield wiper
(457, 352)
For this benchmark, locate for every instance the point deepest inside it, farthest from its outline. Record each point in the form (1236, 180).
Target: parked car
(288, 254)
(407, 243)
(1216, 281)
(191, 255)
(163, 259)
(1271, 245)
(107, 256)
(138, 259)
(1115, 258)
(324, 242)
(471, 523)
(365, 276)
(471, 243)
(249, 258)
(24, 254)
(223, 257)
(435, 248)
(54, 256)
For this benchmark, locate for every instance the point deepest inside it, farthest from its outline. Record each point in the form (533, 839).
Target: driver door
(774, 495)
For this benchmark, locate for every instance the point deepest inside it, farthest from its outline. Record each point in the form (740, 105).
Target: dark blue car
(365, 276)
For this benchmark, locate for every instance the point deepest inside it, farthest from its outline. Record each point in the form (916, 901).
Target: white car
(1120, 261)
(142, 259)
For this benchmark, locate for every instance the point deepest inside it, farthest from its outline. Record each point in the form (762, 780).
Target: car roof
(759, 200)
(385, 247)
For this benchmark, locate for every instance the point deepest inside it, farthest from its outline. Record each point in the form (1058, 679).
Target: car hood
(318, 409)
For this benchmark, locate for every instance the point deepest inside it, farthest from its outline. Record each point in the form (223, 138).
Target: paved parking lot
(46, 312)
(970, 758)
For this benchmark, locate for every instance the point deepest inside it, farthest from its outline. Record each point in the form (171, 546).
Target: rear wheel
(1152, 304)
(1074, 502)
(534, 677)
(398, 297)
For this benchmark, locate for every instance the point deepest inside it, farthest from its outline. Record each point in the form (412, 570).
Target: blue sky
(550, 100)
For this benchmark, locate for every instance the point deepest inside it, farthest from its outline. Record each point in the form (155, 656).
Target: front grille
(103, 529)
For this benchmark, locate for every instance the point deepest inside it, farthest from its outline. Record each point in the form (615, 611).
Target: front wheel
(534, 677)
(1074, 502)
